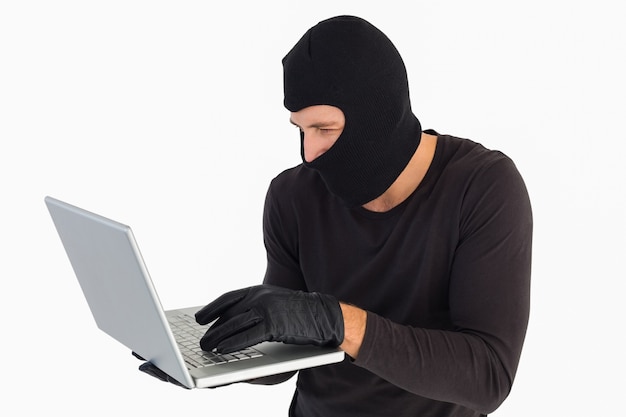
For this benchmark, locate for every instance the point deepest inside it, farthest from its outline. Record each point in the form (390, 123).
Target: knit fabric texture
(348, 63)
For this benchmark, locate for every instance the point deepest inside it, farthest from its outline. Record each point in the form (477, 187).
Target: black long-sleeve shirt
(444, 277)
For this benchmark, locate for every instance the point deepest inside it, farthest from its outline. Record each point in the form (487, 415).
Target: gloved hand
(152, 370)
(267, 313)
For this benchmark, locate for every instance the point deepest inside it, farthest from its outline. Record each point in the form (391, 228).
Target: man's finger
(217, 307)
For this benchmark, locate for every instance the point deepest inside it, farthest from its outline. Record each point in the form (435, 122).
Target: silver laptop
(124, 303)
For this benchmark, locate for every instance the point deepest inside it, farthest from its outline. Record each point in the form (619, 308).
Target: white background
(168, 116)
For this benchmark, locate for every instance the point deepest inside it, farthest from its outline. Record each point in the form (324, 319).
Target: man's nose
(312, 148)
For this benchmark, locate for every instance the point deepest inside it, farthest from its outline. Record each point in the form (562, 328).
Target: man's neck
(409, 179)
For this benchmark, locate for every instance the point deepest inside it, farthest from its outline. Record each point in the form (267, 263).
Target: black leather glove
(152, 370)
(266, 313)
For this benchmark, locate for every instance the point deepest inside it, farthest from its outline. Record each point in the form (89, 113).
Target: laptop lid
(125, 305)
(116, 285)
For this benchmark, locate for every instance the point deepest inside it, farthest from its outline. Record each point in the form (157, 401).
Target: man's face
(321, 126)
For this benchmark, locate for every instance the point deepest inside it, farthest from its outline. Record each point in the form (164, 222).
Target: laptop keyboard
(188, 333)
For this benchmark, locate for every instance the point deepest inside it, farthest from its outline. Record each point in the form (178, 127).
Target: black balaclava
(348, 63)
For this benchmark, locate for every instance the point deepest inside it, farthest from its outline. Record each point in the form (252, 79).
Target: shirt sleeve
(282, 264)
(489, 295)
(280, 237)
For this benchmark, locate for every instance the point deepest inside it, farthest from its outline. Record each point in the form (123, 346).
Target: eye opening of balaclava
(348, 63)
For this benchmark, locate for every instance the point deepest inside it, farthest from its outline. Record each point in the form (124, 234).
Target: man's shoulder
(477, 169)
(295, 181)
(466, 164)
(467, 154)
(289, 177)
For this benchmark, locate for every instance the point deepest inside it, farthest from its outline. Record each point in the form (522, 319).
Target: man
(408, 249)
